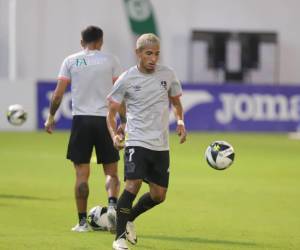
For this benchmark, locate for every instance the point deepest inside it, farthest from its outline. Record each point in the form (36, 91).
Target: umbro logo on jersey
(137, 88)
(163, 84)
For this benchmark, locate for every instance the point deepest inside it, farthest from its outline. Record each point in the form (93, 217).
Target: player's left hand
(119, 142)
(49, 124)
(181, 133)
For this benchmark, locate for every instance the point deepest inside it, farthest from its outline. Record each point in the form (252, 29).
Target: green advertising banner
(141, 16)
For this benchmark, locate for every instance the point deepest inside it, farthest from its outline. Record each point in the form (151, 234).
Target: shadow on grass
(196, 240)
(4, 205)
(23, 197)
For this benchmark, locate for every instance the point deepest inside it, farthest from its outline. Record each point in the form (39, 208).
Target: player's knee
(110, 169)
(82, 176)
(159, 198)
(133, 186)
(82, 173)
(113, 179)
(113, 176)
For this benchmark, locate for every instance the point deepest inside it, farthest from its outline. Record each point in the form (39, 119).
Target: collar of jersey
(91, 51)
(144, 74)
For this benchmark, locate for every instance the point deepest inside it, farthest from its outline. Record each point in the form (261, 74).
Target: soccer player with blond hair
(146, 90)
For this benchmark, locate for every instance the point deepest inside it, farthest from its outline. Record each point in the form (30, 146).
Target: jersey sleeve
(116, 67)
(118, 91)
(64, 72)
(175, 87)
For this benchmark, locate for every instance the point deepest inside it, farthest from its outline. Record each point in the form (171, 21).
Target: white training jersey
(147, 105)
(91, 73)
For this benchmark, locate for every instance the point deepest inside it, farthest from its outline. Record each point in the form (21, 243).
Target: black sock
(82, 217)
(112, 201)
(145, 203)
(124, 206)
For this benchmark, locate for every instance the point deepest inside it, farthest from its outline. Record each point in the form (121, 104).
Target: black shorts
(149, 165)
(87, 132)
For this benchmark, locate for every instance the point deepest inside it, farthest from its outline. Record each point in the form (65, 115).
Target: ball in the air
(219, 155)
(16, 115)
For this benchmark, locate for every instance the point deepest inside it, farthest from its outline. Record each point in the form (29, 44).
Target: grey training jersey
(91, 73)
(147, 105)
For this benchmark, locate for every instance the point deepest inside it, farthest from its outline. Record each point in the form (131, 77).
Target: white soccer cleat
(131, 233)
(81, 228)
(112, 219)
(120, 244)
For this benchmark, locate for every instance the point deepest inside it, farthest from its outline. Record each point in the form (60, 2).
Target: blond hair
(146, 40)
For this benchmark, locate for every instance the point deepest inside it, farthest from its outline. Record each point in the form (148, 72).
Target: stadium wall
(48, 30)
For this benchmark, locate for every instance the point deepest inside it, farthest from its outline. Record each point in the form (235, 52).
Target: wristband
(180, 122)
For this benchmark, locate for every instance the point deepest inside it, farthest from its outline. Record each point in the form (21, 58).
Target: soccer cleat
(81, 227)
(111, 217)
(130, 233)
(120, 244)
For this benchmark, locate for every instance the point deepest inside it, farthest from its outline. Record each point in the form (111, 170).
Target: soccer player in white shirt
(91, 74)
(146, 90)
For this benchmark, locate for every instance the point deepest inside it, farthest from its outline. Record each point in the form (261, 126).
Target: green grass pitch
(255, 204)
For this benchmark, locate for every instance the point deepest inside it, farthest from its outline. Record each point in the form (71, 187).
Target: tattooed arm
(55, 103)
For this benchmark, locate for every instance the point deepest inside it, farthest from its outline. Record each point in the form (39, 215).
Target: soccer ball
(16, 114)
(97, 218)
(219, 155)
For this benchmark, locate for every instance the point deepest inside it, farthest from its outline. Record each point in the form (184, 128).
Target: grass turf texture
(252, 205)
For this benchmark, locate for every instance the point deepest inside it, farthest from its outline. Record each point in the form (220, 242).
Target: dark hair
(91, 34)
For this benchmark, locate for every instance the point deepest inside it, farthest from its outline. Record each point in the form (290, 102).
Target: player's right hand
(49, 124)
(181, 133)
(119, 141)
